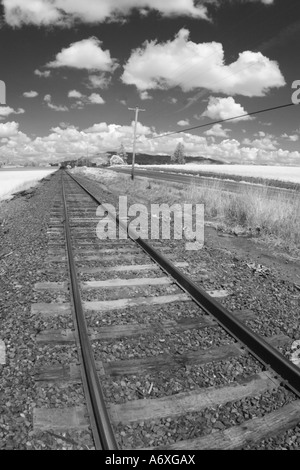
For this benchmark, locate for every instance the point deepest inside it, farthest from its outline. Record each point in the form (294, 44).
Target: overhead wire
(273, 108)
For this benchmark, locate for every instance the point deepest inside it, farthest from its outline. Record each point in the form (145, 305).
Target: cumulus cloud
(30, 94)
(37, 12)
(260, 134)
(292, 137)
(44, 74)
(268, 142)
(155, 66)
(224, 108)
(7, 110)
(98, 81)
(74, 94)
(65, 125)
(63, 12)
(68, 142)
(95, 98)
(115, 132)
(144, 95)
(8, 129)
(48, 100)
(85, 54)
(217, 131)
(183, 122)
(57, 107)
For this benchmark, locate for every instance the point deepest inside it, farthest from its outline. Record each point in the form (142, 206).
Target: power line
(223, 120)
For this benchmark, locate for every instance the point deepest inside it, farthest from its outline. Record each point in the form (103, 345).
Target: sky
(72, 69)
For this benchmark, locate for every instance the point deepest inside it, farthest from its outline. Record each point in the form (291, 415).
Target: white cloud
(96, 99)
(217, 131)
(155, 66)
(45, 74)
(98, 81)
(101, 127)
(64, 12)
(144, 95)
(260, 134)
(65, 125)
(8, 129)
(199, 117)
(74, 94)
(85, 54)
(30, 94)
(7, 110)
(47, 99)
(292, 138)
(265, 143)
(183, 122)
(30, 11)
(115, 132)
(69, 142)
(44, 12)
(224, 108)
(57, 107)
(79, 104)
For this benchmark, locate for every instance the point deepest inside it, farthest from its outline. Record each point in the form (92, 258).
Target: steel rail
(266, 354)
(104, 433)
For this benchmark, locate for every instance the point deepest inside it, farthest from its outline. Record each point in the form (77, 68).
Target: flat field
(17, 179)
(281, 173)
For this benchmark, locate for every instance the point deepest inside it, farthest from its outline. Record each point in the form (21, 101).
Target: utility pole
(136, 109)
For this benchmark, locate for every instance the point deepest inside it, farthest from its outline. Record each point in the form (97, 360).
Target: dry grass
(275, 219)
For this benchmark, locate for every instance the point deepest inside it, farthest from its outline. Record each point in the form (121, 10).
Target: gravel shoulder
(23, 248)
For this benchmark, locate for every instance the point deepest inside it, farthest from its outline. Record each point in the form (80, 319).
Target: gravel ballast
(23, 249)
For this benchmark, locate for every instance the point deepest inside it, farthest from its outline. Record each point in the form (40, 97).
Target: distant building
(116, 160)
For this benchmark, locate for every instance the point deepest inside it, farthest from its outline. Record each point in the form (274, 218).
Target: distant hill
(102, 159)
(147, 159)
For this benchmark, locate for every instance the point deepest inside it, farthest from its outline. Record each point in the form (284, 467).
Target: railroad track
(155, 355)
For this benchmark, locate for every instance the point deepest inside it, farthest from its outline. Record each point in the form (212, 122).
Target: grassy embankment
(275, 220)
(224, 176)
